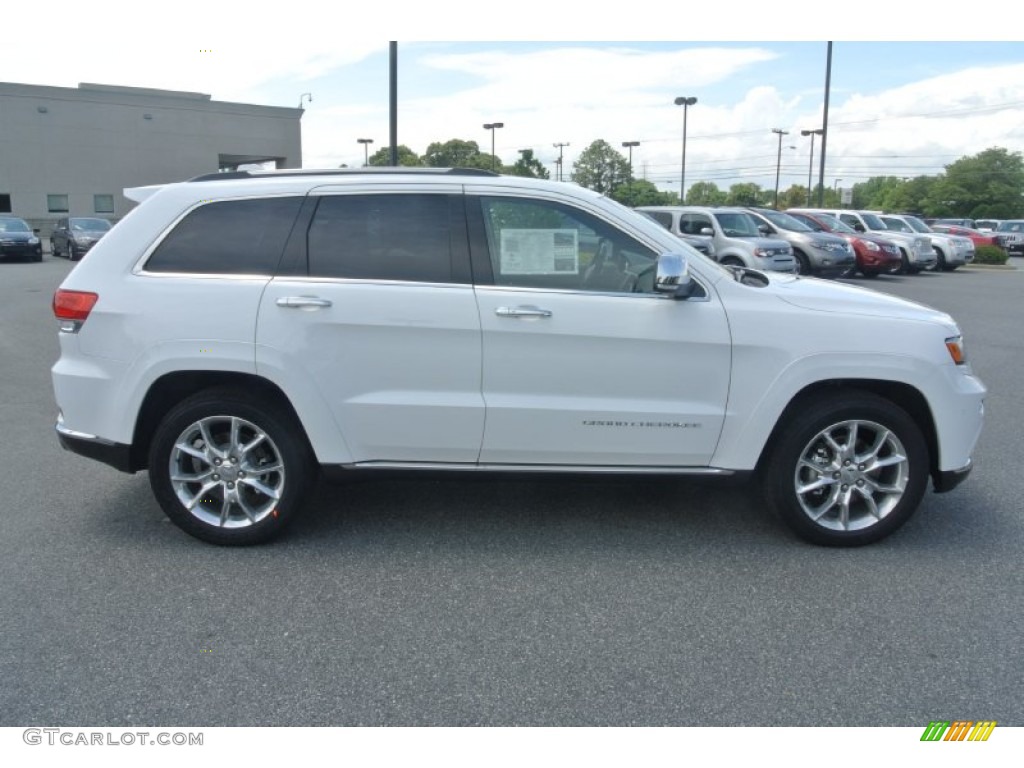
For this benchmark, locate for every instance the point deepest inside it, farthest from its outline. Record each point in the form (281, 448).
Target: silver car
(951, 251)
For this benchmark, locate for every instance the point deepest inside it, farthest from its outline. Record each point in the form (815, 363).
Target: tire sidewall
(779, 470)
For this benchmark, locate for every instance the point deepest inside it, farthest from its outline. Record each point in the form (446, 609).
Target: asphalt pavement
(551, 602)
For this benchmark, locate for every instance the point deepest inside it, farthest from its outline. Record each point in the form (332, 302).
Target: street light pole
(810, 163)
(490, 127)
(778, 164)
(686, 102)
(366, 150)
(559, 146)
(631, 144)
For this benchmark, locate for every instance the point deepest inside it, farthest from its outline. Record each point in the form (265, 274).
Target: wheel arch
(906, 396)
(171, 388)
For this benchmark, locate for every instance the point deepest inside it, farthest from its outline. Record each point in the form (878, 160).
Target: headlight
(955, 347)
(33, 241)
(871, 246)
(760, 252)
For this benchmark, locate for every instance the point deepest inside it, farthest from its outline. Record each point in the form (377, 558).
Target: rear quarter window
(234, 237)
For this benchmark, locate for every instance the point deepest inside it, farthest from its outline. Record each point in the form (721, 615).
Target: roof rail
(380, 170)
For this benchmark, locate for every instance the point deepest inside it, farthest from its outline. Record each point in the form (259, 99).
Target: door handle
(522, 312)
(303, 302)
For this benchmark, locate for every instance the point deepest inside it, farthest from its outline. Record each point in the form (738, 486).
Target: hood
(839, 298)
(17, 237)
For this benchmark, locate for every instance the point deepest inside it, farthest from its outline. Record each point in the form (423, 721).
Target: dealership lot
(506, 601)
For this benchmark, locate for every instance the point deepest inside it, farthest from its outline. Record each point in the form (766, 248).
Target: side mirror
(35, 231)
(707, 231)
(764, 229)
(673, 276)
(859, 227)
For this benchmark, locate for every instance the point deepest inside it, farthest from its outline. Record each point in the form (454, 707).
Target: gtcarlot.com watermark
(72, 738)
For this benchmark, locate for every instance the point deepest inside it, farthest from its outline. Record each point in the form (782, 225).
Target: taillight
(72, 308)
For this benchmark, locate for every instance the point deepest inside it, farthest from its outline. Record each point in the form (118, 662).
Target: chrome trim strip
(561, 468)
(74, 433)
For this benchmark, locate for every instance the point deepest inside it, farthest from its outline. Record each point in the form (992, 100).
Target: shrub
(989, 254)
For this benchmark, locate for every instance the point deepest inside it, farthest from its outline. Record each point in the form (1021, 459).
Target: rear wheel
(230, 470)
(847, 470)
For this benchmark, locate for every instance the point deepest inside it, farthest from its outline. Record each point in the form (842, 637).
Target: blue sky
(897, 107)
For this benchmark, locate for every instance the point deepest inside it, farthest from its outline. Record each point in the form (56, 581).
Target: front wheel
(230, 470)
(803, 265)
(847, 470)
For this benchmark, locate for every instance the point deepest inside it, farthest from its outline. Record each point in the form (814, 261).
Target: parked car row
(818, 242)
(72, 237)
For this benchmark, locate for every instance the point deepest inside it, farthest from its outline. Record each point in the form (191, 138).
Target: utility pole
(778, 163)
(559, 146)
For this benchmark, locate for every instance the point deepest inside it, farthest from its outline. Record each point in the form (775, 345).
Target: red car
(979, 238)
(875, 255)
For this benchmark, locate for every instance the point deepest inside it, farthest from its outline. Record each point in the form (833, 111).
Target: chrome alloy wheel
(227, 472)
(851, 475)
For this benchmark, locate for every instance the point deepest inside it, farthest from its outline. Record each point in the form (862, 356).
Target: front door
(583, 364)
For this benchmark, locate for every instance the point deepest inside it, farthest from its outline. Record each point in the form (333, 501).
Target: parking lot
(548, 602)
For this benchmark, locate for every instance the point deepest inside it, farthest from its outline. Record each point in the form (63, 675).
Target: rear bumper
(117, 455)
(947, 481)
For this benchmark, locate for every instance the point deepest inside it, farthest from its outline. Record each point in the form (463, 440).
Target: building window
(5, 203)
(57, 203)
(103, 203)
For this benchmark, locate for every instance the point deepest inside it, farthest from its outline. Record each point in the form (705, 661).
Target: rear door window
(402, 236)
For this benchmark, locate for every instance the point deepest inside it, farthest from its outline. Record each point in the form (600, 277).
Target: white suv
(237, 332)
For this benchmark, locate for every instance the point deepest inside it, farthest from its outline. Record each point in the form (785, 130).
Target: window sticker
(540, 252)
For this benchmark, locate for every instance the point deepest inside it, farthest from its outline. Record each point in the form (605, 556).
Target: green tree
(744, 194)
(986, 185)
(459, 153)
(642, 192)
(600, 168)
(794, 197)
(406, 156)
(705, 193)
(528, 165)
(871, 194)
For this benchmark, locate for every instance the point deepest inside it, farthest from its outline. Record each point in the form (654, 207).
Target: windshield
(917, 224)
(835, 225)
(896, 225)
(13, 225)
(1011, 226)
(737, 224)
(90, 225)
(785, 221)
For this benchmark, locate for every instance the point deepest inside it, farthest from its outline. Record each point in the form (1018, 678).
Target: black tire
(940, 261)
(803, 265)
(830, 481)
(950, 267)
(904, 264)
(869, 275)
(251, 491)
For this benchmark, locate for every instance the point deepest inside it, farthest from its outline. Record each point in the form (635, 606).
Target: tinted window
(662, 217)
(693, 223)
(383, 237)
(237, 237)
(542, 244)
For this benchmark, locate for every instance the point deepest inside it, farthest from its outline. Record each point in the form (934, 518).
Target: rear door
(379, 320)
